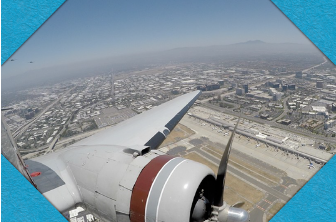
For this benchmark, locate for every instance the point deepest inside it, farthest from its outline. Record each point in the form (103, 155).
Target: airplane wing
(147, 129)
(79, 172)
(102, 173)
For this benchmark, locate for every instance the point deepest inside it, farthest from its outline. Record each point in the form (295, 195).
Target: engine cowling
(169, 189)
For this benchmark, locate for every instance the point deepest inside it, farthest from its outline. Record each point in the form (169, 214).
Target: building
(272, 91)
(285, 121)
(320, 110)
(264, 116)
(298, 75)
(201, 87)
(291, 86)
(245, 86)
(276, 85)
(284, 87)
(240, 92)
(175, 92)
(212, 87)
(29, 115)
(333, 107)
(329, 124)
(280, 81)
(322, 147)
(319, 84)
(273, 84)
(277, 96)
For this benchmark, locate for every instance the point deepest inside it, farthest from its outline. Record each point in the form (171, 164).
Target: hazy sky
(88, 29)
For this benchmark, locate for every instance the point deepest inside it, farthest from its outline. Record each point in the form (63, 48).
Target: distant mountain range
(249, 48)
(251, 42)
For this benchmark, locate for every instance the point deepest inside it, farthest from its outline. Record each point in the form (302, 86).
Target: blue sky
(89, 29)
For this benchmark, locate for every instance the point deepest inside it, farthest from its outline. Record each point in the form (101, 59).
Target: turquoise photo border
(316, 19)
(20, 201)
(20, 19)
(316, 201)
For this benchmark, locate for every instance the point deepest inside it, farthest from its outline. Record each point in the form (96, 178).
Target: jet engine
(169, 189)
(180, 190)
(134, 184)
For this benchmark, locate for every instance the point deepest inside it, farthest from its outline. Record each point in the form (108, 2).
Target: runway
(261, 159)
(246, 177)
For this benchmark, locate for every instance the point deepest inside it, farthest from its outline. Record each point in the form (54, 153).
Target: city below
(286, 133)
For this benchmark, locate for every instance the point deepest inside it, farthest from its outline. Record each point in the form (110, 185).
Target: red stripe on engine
(142, 187)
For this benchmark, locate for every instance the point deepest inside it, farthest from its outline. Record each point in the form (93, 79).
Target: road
(55, 140)
(325, 60)
(285, 110)
(20, 130)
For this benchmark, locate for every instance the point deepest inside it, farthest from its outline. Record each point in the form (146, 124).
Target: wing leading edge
(146, 129)
(101, 170)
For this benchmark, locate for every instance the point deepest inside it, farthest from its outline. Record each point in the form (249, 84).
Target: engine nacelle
(168, 189)
(117, 184)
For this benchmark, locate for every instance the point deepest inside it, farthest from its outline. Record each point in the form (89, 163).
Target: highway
(285, 110)
(20, 130)
(325, 60)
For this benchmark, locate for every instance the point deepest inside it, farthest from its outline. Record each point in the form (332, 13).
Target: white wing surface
(146, 129)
